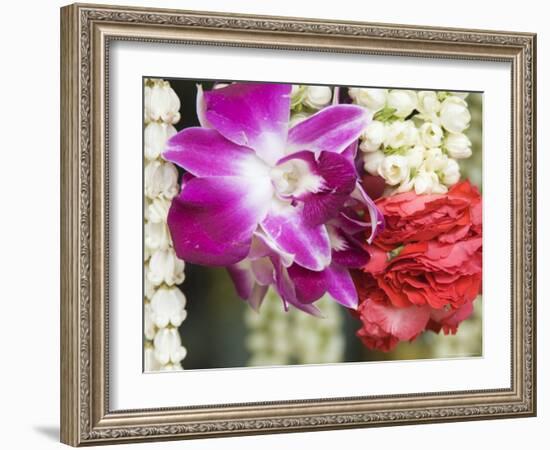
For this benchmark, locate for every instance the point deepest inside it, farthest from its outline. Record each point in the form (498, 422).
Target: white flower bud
(157, 210)
(317, 96)
(372, 161)
(434, 160)
(458, 145)
(415, 156)
(454, 114)
(372, 99)
(168, 348)
(161, 178)
(428, 103)
(161, 103)
(148, 325)
(155, 136)
(373, 137)
(403, 101)
(451, 172)
(165, 267)
(394, 169)
(425, 182)
(430, 134)
(168, 307)
(401, 134)
(157, 236)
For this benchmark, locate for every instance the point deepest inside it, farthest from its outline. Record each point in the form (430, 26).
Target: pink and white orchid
(265, 200)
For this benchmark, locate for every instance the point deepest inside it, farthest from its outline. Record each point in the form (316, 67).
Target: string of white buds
(414, 139)
(277, 337)
(164, 303)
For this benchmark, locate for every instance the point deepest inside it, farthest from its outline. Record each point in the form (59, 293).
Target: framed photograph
(277, 225)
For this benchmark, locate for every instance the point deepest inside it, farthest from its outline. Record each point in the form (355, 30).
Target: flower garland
(164, 303)
(276, 337)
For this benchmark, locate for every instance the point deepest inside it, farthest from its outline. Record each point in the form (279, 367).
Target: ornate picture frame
(86, 34)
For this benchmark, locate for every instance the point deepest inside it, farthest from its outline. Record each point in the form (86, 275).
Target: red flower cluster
(425, 268)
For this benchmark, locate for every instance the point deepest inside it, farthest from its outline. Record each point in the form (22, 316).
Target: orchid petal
(353, 257)
(257, 296)
(310, 245)
(255, 115)
(339, 181)
(332, 129)
(263, 245)
(376, 217)
(243, 278)
(309, 285)
(340, 286)
(263, 271)
(248, 286)
(213, 219)
(206, 153)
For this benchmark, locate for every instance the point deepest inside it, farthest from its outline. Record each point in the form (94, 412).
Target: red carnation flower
(425, 268)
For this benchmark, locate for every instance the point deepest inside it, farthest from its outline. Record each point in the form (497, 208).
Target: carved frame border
(86, 31)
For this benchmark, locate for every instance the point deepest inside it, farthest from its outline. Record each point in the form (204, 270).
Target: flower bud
(415, 156)
(454, 114)
(458, 145)
(168, 307)
(157, 210)
(155, 136)
(401, 134)
(434, 160)
(403, 101)
(373, 137)
(165, 267)
(394, 169)
(430, 134)
(451, 172)
(372, 161)
(161, 102)
(372, 99)
(425, 182)
(428, 103)
(168, 348)
(317, 96)
(157, 236)
(160, 178)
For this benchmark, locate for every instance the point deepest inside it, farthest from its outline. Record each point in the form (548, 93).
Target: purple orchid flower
(259, 192)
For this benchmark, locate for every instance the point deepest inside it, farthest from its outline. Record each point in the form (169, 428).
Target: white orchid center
(294, 178)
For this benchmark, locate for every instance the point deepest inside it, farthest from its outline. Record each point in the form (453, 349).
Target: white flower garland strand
(277, 337)
(164, 307)
(417, 153)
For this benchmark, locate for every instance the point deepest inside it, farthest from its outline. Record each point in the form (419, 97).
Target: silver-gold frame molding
(86, 33)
